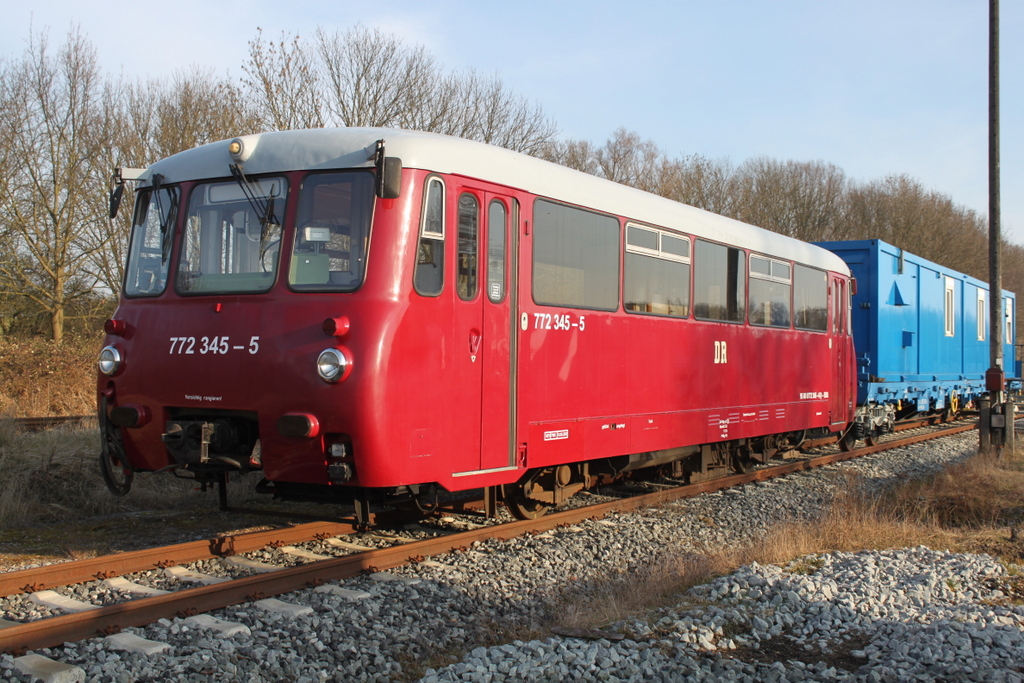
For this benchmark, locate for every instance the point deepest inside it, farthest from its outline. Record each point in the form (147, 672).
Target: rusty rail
(104, 620)
(35, 424)
(107, 566)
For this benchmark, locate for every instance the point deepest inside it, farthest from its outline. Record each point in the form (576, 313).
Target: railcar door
(485, 310)
(840, 391)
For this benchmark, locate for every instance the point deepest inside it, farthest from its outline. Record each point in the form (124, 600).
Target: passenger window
(718, 282)
(429, 276)
(657, 273)
(496, 228)
(770, 287)
(469, 233)
(810, 298)
(575, 257)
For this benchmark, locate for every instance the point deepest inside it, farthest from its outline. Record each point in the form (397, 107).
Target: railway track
(35, 424)
(105, 620)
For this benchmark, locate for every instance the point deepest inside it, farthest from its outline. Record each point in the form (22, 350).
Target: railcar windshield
(232, 237)
(332, 231)
(150, 247)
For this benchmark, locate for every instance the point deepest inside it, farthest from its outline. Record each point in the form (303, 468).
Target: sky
(875, 87)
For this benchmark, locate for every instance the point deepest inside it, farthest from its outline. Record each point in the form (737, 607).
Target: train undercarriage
(210, 450)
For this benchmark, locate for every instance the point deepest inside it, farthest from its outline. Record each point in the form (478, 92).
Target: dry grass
(39, 378)
(53, 476)
(971, 507)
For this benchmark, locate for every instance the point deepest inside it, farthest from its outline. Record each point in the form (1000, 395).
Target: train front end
(244, 314)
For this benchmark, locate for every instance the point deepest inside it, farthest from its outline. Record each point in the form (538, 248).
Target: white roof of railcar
(334, 148)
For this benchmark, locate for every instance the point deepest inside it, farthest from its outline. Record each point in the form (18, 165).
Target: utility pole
(996, 415)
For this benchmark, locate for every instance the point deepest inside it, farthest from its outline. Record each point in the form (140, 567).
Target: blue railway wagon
(921, 333)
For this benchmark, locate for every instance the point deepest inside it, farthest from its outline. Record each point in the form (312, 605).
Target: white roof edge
(334, 148)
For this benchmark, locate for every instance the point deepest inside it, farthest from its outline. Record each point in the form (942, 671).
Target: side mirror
(121, 175)
(115, 198)
(389, 179)
(389, 173)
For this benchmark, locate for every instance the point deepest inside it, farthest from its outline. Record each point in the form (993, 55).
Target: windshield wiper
(262, 204)
(166, 218)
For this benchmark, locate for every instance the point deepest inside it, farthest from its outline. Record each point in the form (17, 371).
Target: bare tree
(372, 79)
(902, 212)
(579, 155)
(46, 201)
(196, 108)
(805, 200)
(701, 182)
(364, 77)
(146, 121)
(283, 84)
(627, 159)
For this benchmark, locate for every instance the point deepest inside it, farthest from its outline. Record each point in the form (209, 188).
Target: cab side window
(428, 278)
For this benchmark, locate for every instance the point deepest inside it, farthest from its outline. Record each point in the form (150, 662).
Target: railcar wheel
(522, 506)
(742, 464)
(848, 441)
(871, 439)
(117, 473)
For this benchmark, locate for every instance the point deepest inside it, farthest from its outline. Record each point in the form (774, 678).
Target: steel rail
(33, 424)
(916, 423)
(105, 620)
(107, 566)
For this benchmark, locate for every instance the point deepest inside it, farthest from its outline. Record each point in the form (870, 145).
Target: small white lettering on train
(556, 435)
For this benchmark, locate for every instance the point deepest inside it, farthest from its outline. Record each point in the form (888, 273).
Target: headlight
(333, 365)
(110, 360)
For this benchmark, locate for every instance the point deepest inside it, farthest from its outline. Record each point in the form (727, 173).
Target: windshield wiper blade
(262, 204)
(166, 218)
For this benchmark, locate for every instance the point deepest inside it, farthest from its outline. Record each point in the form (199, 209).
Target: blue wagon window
(981, 315)
(950, 307)
(1009, 320)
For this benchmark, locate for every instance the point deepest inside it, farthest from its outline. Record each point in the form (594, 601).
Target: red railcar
(372, 315)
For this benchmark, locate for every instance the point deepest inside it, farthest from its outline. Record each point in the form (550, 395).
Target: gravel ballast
(902, 615)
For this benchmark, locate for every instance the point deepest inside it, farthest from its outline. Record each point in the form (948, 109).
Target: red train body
(496, 321)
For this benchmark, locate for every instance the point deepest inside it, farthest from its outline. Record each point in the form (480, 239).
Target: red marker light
(337, 327)
(115, 327)
(217, 308)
